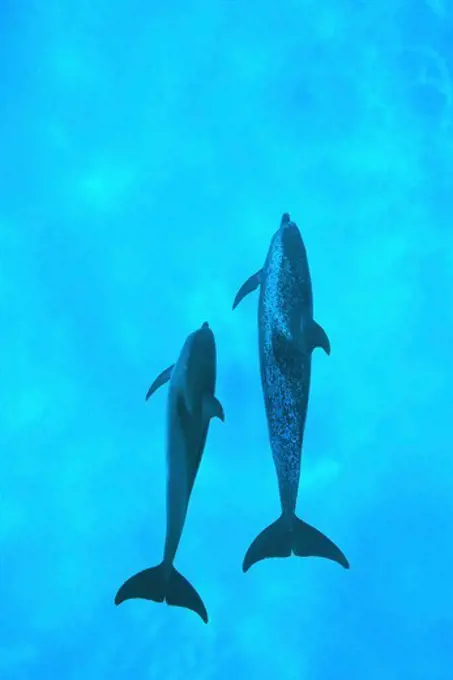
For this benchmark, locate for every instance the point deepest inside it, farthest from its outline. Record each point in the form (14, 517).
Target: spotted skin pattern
(285, 315)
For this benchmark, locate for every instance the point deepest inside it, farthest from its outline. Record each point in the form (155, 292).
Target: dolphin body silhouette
(191, 405)
(287, 336)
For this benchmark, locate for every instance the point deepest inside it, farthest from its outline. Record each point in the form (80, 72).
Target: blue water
(147, 153)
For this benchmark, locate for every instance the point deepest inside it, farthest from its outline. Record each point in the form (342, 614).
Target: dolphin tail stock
(158, 585)
(283, 537)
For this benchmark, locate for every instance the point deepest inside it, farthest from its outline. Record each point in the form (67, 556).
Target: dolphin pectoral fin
(318, 338)
(160, 380)
(248, 287)
(212, 408)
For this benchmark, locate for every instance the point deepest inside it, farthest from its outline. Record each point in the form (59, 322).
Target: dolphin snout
(285, 219)
(286, 222)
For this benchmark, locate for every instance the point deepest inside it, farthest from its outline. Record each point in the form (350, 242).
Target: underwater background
(148, 151)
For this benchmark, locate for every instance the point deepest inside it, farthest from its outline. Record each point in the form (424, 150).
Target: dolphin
(288, 334)
(191, 405)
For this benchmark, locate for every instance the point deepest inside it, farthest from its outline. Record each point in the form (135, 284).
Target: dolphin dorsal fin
(212, 408)
(319, 338)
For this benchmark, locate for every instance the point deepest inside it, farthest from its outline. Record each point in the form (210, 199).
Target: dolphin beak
(285, 219)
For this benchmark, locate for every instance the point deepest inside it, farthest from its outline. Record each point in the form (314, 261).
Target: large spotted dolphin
(191, 405)
(287, 336)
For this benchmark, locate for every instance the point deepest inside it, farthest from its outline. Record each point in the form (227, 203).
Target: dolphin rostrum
(287, 336)
(191, 405)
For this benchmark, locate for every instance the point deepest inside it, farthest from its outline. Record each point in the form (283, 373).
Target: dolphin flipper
(153, 584)
(281, 538)
(248, 287)
(161, 379)
(319, 338)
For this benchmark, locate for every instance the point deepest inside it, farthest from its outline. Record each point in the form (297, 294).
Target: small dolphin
(287, 336)
(191, 405)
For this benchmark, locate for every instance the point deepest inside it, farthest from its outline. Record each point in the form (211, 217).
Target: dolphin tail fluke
(274, 541)
(155, 584)
(309, 542)
(286, 536)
